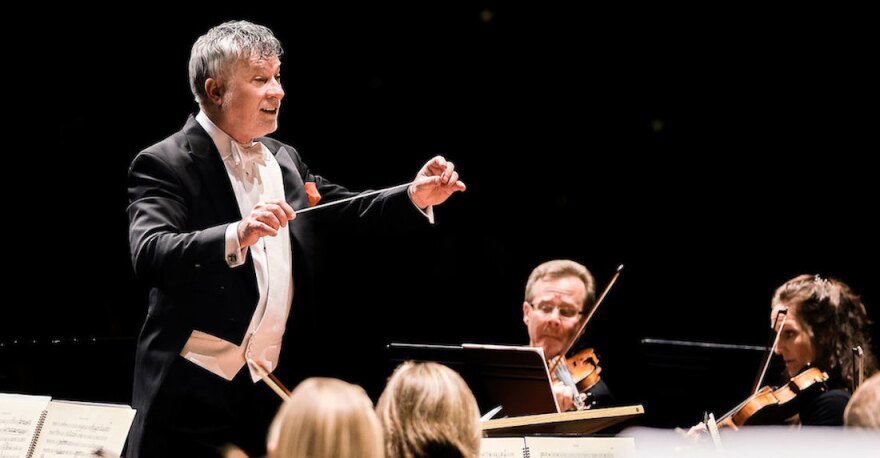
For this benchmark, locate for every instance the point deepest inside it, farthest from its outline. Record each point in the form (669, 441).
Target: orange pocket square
(312, 193)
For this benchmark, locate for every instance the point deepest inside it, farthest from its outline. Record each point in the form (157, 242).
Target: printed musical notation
(38, 426)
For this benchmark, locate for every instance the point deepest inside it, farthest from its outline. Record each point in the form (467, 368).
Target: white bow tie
(250, 154)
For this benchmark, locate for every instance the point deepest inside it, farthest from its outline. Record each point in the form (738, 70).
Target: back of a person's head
(863, 409)
(428, 411)
(326, 418)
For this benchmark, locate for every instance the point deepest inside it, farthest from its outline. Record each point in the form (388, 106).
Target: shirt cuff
(234, 254)
(428, 211)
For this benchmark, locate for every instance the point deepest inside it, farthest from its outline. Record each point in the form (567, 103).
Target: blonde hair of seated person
(863, 409)
(428, 411)
(326, 418)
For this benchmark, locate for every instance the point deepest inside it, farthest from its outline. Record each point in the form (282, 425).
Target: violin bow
(766, 364)
(587, 320)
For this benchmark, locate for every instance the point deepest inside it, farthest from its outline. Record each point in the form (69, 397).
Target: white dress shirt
(252, 183)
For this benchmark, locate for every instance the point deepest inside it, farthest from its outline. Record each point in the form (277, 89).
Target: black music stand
(689, 378)
(514, 378)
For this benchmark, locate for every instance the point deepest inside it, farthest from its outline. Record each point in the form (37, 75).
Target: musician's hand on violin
(690, 435)
(701, 428)
(697, 429)
(696, 433)
(564, 396)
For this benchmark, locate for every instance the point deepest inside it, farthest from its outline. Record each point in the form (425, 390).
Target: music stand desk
(581, 422)
(512, 377)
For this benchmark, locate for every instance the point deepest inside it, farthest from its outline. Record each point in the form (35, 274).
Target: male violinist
(557, 295)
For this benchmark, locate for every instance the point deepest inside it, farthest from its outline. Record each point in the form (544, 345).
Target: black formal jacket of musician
(599, 395)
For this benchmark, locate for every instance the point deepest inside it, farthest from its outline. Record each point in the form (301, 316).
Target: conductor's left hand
(434, 183)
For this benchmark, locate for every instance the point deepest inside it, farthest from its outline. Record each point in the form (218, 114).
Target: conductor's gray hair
(222, 46)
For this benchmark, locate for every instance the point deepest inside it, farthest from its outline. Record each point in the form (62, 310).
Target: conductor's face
(553, 314)
(251, 98)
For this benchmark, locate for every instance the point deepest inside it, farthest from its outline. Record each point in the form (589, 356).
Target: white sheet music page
(19, 417)
(502, 447)
(76, 428)
(581, 447)
(712, 426)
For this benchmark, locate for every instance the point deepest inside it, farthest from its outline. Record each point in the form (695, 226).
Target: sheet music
(581, 447)
(72, 429)
(19, 417)
(490, 414)
(502, 447)
(712, 426)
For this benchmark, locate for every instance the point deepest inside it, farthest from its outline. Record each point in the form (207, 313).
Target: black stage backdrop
(714, 157)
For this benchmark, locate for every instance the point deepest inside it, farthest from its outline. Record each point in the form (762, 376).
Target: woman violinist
(817, 323)
(557, 294)
(824, 320)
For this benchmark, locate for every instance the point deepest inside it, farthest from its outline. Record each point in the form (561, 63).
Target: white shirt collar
(221, 139)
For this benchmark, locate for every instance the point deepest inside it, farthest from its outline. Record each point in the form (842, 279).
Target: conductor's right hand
(265, 219)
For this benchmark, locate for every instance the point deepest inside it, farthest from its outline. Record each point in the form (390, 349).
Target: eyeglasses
(565, 311)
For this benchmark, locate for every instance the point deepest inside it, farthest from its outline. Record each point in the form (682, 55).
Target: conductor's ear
(214, 90)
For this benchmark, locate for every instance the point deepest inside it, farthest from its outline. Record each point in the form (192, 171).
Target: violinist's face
(545, 317)
(795, 345)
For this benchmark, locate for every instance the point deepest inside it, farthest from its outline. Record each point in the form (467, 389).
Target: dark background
(715, 154)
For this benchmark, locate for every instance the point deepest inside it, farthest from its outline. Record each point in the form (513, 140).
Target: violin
(584, 369)
(769, 405)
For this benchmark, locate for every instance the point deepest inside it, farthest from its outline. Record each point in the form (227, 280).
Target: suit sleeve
(165, 252)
